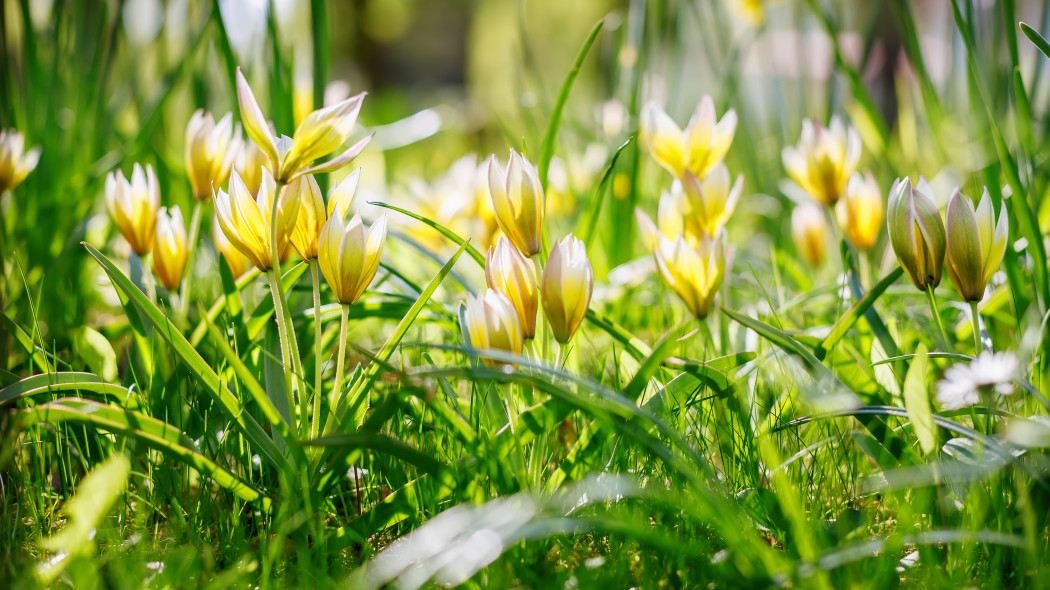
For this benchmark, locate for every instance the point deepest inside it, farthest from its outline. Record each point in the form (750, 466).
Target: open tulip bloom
(976, 243)
(15, 162)
(694, 273)
(134, 205)
(246, 220)
(809, 231)
(824, 159)
(698, 148)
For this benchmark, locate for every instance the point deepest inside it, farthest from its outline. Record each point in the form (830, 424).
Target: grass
(793, 437)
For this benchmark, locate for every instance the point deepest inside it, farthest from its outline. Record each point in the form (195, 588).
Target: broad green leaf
(96, 352)
(917, 401)
(56, 383)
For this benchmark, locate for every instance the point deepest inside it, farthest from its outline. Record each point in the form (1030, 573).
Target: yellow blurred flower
(15, 162)
(249, 164)
(210, 150)
(508, 271)
(349, 255)
(246, 221)
(237, 261)
(518, 202)
(134, 205)
(917, 232)
(809, 230)
(824, 159)
(490, 322)
(169, 248)
(711, 200)
(976, 243)
(694, 273)
(699, 148)
(566, 287)
(311, 218)
(859, 212)
(457, 199)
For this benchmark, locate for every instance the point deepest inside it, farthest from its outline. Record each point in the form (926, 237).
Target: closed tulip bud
(210, 150)
(490, 322)
(566, 287)
(169, 248)
(518, 202)
(699, 148)
(809, 230)
(237, 261)
(712, 200)
(694, 273)
(311, 218)
(246, 221)
(250, 164)
(508, 271)
(859, 212)
(134, 205)
(976, 243)
(916, 232)
(824, 159)
(15, 162)
(349, 255)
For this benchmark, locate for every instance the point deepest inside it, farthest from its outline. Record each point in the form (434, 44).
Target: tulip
(809, 231)
(859, 212)
(321, 133)
(134, 205)
(824, 159)
(712, 200)
(566, 287)
(976, 243)
(694, 273)
(237, 261)
(15, 162)
(490, 322)
(249, 165)
(342, 195)
(518, 202)
(916, 232)
(508, 271)
(246, 221)
(349, 255)
(698, 149)
(210, 151)
(169, 248)
(311, 218)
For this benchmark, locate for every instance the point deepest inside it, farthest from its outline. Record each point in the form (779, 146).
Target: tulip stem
(976, 315)
(318, 350)
(937, 318)
(286, 329)
(282, 327)
(191, 251)
(344, 322)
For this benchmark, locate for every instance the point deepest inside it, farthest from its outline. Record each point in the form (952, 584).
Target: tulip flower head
(508, 271)
(246, 221)
(809, 231)
(134, 205)
(916, 232)
(712, 200)
(518, 202)
(210, 151)
(15, 162)
(311, 218)
(824, 159)
(490, 322)
(349, 255)
(249, 165)
(169, 248)
(237, 261)
(566, 287)
(699, 148)
(859, 212)
(976, 243)
(322, 132)
(694, 273)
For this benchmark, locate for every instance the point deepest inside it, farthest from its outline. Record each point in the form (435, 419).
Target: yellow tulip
(342, 195)
(976, 243)
(349, 255)
(490, 322)
(15, 162)
(237, 261)
(321, 133)
(246, 221)
(824, 159)
(712, 200)
(518, 202)
(566, 287)
(916, 232)
(699, 148)
(134, 205)
(169, 248)
(508, 271)
(249, 164)
(210, 150)
(311, 218)
(694, 273)
(809, 230)
(859, 212)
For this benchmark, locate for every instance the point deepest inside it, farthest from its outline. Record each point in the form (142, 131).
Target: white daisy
(989, 373)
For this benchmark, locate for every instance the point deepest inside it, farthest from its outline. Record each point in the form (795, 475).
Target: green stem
(543, 329)
(191, 251)
(344, 322)
(937, 318)
(289, 346)
(318, 351)
(977, 346)
(282, 326)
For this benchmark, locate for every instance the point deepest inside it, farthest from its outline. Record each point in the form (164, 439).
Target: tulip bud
(134, 205)
(518, 202)
(169, 247)
(566, 286)
(694, 273)
(210, 151)
(824, 159)
(976, 244)
(311, 218)
(508, 271)
(809, 231)
(246, 221)
(916, 232)
(237, 261)
(698, 149)
(15, 162)
(249, 165)
(859, 212)
(490, 322)
(349, 255)
(711, 200)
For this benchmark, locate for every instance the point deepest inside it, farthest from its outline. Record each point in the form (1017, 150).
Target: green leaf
(1038, 40)
(382, 444)
(595, 212)
(55, 383)
(652, 363)
(917, 401)
(854, 314)
(96, 352)
(23, 339)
